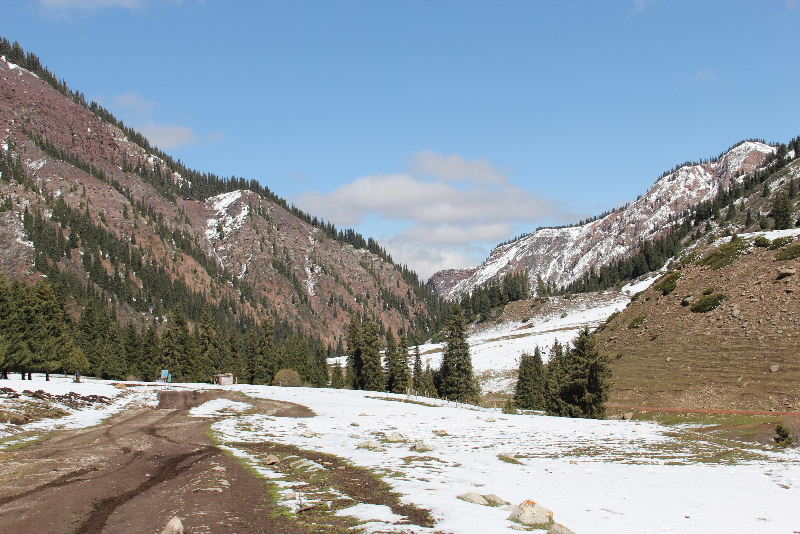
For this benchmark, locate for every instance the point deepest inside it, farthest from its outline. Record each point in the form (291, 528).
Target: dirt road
(134, 473)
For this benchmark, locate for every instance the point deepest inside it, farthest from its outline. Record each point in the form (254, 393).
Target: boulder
(786, 272)
(627, 416)
(687, 300)
(370, 445)
(530, 514)
(421, 446)
(493, 500)
(558, 528)
(173, 526)
(308, 433)
(395, 437)
(774, 368)
(508, 457)
(271, 459)
(475, 498)
(441, 433)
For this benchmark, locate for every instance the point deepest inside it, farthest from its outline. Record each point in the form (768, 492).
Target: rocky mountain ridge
(87, 204)
(562, 255)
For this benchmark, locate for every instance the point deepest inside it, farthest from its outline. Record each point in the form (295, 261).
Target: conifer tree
(456, 381)
(427, 387)
(417, 375)
(355, 347)
(582, 380)
(371, 377)
(402, 375)
(782, 212)
(529, 393)
(390, 361)
(337, 376)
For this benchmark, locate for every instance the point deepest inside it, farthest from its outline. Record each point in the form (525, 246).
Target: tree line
(41, 330)
(510, 287)
(375, 364)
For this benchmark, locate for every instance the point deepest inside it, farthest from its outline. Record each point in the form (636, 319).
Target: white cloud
(459, 234)
(64, 6)
(705, 75)
(167, 136)
(449, 221)
(641, 5)
(454, 168)
(427, 259)
(138, 112)
(135, 102)
(406, 197)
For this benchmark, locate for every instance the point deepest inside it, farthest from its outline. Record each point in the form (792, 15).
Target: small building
(224, 379)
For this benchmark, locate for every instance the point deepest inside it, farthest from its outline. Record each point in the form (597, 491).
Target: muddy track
(134, 473)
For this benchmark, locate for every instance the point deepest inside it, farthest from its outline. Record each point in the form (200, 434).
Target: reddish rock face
(288, 267)
(562, 255)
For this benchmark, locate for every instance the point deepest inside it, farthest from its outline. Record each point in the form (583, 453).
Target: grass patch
(637, 322)
(407, 401)
(708, 291)
(792, 252)
(668, 283)
(708, 303)
(781, 242)
(762, 242)
(725, 254)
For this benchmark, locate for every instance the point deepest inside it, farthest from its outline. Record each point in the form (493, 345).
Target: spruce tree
(390, 366)
(456, 381)
(355, 347)
(372, 377)
(583, 381)
(417, 375)
(402, 376)
(337, 376)
(529, 393)
(782, 212)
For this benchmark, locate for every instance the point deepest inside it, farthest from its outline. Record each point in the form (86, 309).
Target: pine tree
(402, 375)
(427, 387)
(782, 212)
(355, 346)
(529, 394)
(337, 376)
(371, 377)
(766, 192)
(583, 381)
(390, 361)
(417, 375)
(748, 222)
(554, 376)
(456, 381)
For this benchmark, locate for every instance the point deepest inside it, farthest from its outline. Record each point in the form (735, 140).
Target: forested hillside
(120, 230)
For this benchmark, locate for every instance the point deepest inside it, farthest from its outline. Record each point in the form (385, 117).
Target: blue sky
(438, 127)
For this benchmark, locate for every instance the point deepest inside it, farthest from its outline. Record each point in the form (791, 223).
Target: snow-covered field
(597, 476)
(120, 399)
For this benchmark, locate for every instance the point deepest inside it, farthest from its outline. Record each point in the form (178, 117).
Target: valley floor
(382, 462)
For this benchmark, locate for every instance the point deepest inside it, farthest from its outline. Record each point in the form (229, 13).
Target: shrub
(783, 436)
(668, 283)
(708, 291)
(762, 242)
(287, 377)
(636, 322)
(725, 254)
(792, 252)
(636, 296)
(708, 303)
(781, 242)
(509, 407)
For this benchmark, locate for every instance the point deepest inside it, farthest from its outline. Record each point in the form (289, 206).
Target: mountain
(560, 256)
(719, 331)
(88, 203)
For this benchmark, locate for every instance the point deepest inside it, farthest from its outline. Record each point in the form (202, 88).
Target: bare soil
(134, 473)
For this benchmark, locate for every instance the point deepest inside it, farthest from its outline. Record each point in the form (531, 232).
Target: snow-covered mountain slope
(562, 255)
